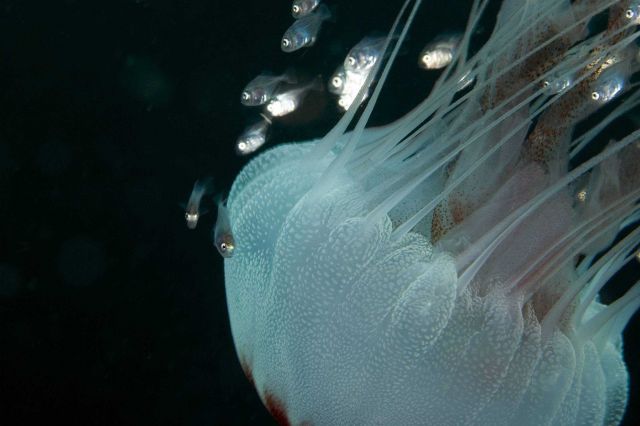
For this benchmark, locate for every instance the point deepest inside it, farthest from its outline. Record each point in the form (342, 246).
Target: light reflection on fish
(286, 102)
(439, 53)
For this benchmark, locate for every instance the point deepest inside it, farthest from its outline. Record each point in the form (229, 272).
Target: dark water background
(111, 311)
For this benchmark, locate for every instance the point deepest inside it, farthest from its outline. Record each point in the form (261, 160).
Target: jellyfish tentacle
(494, 237)
(413, 182)
(328, 141)
(612, 319)
(589, 284)
(434, 102)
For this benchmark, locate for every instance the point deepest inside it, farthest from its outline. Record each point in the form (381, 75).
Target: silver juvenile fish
(262, 88)
(347, 84)
(222, 235)
(608, 89)
(439, 52)
(338, 81)
(253, 137)
(304, 31)
(286, 102)
(192, 210)
(364, 55)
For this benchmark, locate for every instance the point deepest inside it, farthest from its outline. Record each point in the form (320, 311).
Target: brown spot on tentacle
(441, 223)
(447, 215)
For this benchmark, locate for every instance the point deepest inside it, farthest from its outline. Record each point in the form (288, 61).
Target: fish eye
(226, 249)
(286, 42)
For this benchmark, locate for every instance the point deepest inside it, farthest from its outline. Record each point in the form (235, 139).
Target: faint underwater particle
(53, 157)
(146, 81)
(442, 268)
(82, 261)
(10, 280)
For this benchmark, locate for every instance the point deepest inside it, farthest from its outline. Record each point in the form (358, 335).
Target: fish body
(439, 53)
(608, 89)
(222, 235)
(346, 84)
(253, 137)
(304, 31)
(364, 55)
(338, 81)
(555, 85)
(192, 210)
(262, 88)
(287, 102)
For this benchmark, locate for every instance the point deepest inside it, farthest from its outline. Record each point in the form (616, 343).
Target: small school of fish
(280, 95)
(283, 94)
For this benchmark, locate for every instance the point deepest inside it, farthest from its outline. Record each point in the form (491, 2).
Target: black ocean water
(111, 311)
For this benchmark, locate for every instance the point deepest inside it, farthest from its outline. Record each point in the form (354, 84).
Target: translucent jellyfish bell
(442, 269)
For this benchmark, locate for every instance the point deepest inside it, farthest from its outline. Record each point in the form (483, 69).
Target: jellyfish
(445, 268)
